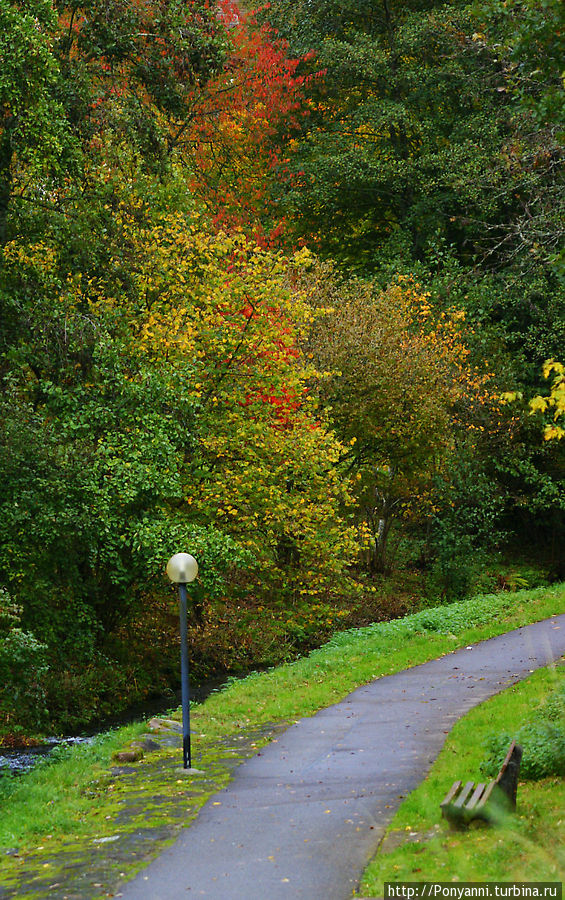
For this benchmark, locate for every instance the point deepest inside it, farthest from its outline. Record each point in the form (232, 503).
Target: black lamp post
(182, 568)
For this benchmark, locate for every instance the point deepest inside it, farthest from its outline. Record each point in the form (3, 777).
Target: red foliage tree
(241, 119)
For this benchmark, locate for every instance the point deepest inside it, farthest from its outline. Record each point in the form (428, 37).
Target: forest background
(284, 290)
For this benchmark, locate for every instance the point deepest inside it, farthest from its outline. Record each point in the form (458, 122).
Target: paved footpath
(303, 818)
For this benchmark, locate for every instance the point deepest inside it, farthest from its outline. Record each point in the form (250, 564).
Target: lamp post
(182, 568)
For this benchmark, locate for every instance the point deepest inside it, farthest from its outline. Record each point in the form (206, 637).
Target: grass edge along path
(359, 655)
(419, 845)
(69, 801)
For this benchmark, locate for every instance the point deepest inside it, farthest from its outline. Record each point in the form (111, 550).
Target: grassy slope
(68, 799)
(355, 657)
(525, 847)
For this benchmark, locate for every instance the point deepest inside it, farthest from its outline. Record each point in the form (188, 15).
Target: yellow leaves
(555, 400)
(538, 404)
(550, 365)
(40, 256)
(302, 258)
(223, 319)
(510, 397)
(553, 432)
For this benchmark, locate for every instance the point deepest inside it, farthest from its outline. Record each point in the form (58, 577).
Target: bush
(454, 569)
(544, 750)
(22, 669)
(542, 742)
(554, 707)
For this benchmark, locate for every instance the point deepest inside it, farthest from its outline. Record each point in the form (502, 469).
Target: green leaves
(530, 33)
(22, 668)
(402, 132)
(35, 140)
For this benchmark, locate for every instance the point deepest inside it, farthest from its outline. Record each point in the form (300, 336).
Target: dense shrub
(554, 707)
(542, 742)
(22, 668)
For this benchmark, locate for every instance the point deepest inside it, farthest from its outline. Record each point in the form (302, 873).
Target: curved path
(302, 818)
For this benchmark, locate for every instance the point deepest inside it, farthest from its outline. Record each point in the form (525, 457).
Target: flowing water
(20, 761)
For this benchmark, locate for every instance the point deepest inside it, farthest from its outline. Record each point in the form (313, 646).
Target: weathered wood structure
(465, 802)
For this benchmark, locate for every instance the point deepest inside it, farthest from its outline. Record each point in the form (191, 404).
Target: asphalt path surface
(303, 818)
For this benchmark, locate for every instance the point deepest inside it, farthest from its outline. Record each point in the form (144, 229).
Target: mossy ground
(130, 813)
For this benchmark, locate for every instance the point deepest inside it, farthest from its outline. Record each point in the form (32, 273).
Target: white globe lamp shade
(182, 568)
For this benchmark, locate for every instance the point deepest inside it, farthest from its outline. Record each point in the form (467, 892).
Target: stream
(18, 762)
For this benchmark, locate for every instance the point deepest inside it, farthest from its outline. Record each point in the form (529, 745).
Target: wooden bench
(465, 802)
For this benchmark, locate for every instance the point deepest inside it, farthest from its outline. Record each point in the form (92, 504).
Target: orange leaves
(257, 94)
(401, 389)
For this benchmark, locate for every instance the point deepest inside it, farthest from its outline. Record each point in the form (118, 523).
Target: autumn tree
(401, 386)
(241, 121)
(173, 413)
(265, 468)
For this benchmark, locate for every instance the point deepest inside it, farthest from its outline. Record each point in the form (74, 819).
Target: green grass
(527, 846)
(70, 799)
(56, 821)
(59, 795)
(354, 657)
